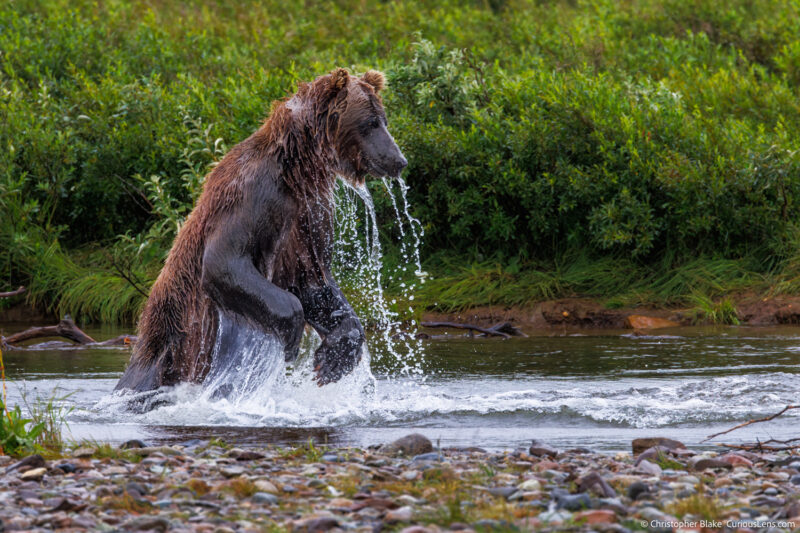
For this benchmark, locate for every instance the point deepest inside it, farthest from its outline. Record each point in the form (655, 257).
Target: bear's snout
(398, 165)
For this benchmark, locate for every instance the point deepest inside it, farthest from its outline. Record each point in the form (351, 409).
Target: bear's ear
(376, 79)
(339, 79)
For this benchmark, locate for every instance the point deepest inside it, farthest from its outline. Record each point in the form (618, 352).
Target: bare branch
(9, 294)
(129, 278)
(756, 421)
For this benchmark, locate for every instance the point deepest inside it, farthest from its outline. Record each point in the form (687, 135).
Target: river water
(595, 390)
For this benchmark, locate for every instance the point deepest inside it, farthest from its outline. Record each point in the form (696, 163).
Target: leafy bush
(643, 135)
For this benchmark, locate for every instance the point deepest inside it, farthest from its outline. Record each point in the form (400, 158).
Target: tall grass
(617, 281)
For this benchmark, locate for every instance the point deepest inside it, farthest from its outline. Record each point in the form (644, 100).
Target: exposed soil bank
(586, 313)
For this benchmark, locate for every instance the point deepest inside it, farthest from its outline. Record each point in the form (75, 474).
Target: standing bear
(257, 246)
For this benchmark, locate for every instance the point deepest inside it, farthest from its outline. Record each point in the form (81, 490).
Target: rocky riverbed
(404, 486)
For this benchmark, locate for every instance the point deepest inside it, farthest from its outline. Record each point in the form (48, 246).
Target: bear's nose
(399, 165)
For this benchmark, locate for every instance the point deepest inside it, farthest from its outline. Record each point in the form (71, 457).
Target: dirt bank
(586, 313)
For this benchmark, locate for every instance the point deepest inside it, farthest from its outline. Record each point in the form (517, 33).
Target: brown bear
(257, 246)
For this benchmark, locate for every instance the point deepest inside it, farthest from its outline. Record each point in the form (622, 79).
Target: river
(597, 390)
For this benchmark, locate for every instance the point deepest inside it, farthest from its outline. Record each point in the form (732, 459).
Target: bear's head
(356, 127)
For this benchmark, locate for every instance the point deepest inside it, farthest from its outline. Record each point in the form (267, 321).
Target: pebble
(32, 461)
(432, 456)
(403, 514)
(210, 489)
(555, 517)
(503, 492)
(147, 523)
(597, 516)
(410, 475)
(265, 486)
(67, 468)
(539, 449)
(313, 525)
(265, 497)
(640, 445)
(82, 453)
(574, 502)
(131, 444)
(234, 471)
(34, 474)
(710, 463)
(637, 489)
(736, 460)
(411, 445)
(530, 485)
(646, 467)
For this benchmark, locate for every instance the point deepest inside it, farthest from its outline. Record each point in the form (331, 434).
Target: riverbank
(588, 313)
(570, 313)
(404, 486)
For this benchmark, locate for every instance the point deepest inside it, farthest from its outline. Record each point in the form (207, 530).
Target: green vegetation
(18, 435)
(632, 151)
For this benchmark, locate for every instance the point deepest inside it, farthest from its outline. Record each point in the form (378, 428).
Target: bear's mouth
(376, 171)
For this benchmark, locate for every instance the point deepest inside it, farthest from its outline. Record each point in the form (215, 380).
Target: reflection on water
(598, 391)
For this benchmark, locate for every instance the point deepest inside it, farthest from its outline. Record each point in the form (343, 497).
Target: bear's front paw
(337, 356)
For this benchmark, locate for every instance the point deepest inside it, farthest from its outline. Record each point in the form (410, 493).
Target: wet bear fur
(257, 246)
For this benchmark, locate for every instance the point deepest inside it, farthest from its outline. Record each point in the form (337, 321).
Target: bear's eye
(374, 123)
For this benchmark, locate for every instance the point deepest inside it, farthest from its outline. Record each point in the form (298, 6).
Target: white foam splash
(474, 402)
(250, 384)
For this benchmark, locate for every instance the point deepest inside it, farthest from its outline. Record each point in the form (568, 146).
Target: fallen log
(9, 294)
(507, 327)
(66, 328)
(502, 329)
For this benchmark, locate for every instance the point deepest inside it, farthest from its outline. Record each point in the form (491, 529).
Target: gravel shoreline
(405, 486)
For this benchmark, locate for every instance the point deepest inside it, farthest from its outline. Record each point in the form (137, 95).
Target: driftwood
(756, 421)
(502, 329)
(9, 294)
(766, 446)
(67, 329)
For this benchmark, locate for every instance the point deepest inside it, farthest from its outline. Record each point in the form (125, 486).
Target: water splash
(250, 384)
(358, 260)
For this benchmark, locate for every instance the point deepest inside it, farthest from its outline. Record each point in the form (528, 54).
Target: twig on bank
(756, 421)
(9, 294)
(129, 278)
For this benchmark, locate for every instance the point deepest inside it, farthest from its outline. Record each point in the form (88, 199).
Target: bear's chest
(274, 235)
